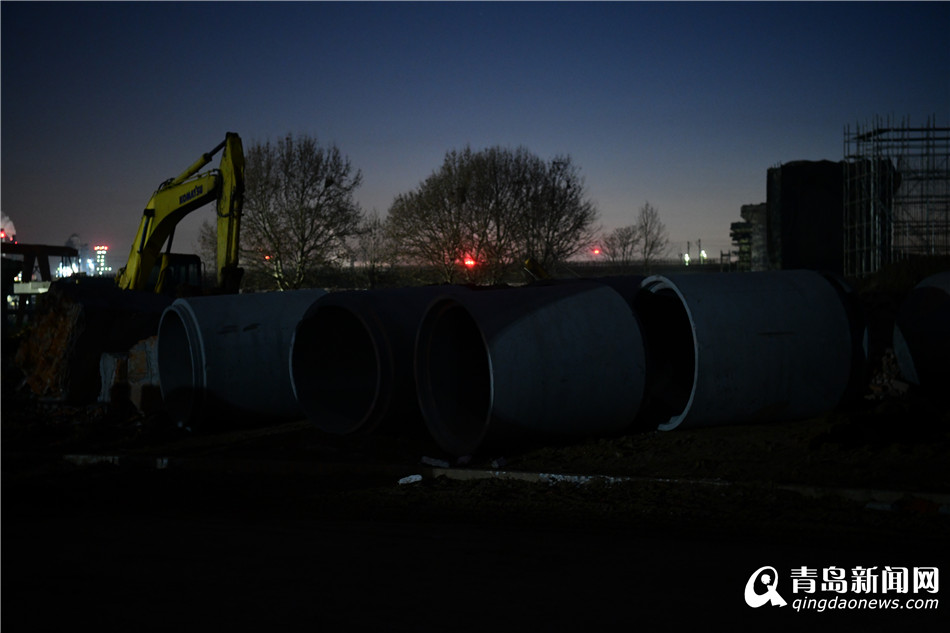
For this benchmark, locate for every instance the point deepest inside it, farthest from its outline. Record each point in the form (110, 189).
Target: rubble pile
(132, 376)
(887, 381)
(46, 351)
(74, 324)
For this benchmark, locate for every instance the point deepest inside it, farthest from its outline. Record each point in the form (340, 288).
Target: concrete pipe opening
(181, 379)
(336, 369)
(670, 348)
(455, 390)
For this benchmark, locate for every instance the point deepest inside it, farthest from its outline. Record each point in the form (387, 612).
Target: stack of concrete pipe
(356, 367)
(485, 368)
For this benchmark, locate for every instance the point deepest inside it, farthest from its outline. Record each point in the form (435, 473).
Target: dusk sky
(684, 105)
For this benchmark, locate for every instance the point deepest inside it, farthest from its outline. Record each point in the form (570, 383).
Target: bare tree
(374, 249)
(427, 224)
(620, 245)
(207, 249)
(484, 211)
(462, 220)
(655, 241)
(560, 219)
(299, 209)
(494, 211)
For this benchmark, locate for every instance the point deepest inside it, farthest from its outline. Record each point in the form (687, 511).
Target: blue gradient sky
(682, 104)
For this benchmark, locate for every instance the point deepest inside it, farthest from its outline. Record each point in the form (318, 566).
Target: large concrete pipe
(922, 335)
(627, 285)
(744, 347)
(223, 360)
(351, 359)
(522, 364)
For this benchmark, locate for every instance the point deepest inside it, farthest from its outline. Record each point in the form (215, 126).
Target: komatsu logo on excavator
(194, 193)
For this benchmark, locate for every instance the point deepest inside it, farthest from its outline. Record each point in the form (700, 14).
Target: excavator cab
(176, 275)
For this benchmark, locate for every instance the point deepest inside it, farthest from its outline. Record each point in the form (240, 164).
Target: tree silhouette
(654, 240)
(299, 209)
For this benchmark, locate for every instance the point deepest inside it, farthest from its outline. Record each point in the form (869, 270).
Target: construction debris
(132, 376)
(887, 381)
(74, 324)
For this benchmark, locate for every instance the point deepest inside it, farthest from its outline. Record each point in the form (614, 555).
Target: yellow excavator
(80, 318)
(148, 268)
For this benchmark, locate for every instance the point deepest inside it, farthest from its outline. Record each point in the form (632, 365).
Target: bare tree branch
(299, 209)
(620, 245)
(492, 208)
(655, 240)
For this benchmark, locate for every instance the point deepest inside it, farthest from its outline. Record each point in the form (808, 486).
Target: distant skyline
(685, 105)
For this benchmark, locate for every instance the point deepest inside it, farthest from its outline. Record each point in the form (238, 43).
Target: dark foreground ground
(112, 521)
(286, 528)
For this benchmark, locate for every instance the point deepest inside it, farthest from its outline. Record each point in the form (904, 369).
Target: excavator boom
(230, 205)
(176, 198)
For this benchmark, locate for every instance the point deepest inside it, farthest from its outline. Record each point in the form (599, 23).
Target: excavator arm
(230, 205)
(176, 198)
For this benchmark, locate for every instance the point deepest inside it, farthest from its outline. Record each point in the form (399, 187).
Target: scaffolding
(896, 193)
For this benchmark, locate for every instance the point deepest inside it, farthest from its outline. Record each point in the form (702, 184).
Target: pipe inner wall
(336, 369)
(352, 359)
(179, 354)
(455, 394)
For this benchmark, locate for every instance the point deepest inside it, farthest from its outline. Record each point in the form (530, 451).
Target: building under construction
(799, 226)
(896, 194)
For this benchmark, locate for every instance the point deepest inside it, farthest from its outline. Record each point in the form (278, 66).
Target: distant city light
(67, 269)
(101, 266)
(596, 251)
(7, 230)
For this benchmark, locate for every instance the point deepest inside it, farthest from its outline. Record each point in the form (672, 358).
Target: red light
(267, 257)
(469, 262)
(596, 251)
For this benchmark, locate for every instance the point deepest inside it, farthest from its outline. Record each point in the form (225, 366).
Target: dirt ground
(889, 453)
(283, 526)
